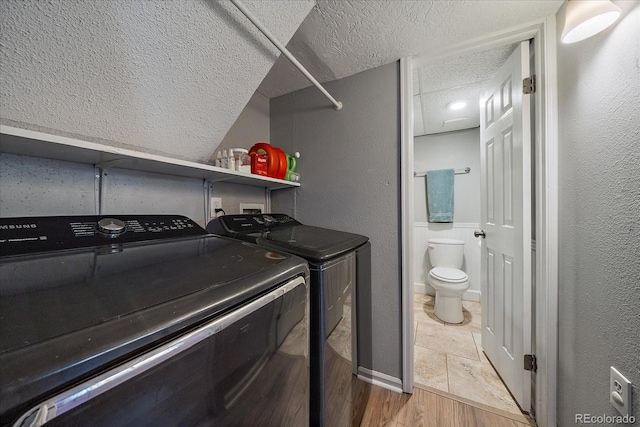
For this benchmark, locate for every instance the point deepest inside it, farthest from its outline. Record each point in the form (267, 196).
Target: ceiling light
(457, 105)
(585, 18)
(448, 122)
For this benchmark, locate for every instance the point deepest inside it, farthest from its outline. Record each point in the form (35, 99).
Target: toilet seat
(449, 275)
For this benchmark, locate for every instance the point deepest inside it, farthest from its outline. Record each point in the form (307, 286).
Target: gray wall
(251, 126)
(350, 181)
(234, 194)
(456, 150)
(32, 186)
(599, 193)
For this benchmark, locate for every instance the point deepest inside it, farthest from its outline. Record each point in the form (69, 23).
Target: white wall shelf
(38, 144)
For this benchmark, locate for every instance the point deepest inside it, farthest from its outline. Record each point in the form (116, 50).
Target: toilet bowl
(446, 277)
(449, 284)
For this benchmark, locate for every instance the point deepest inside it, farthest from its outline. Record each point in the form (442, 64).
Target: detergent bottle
(292, 175)
(260, 153)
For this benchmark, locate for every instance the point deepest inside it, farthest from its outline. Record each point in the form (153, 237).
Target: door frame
(545, 126)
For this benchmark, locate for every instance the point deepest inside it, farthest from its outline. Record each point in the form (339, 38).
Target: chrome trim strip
(65, 401)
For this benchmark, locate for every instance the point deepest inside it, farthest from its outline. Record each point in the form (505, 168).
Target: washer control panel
(250, 223)
(43, 234)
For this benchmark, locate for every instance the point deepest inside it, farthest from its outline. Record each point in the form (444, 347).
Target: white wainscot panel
(423, 231)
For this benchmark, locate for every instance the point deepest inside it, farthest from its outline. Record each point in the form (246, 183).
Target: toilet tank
(446, 253)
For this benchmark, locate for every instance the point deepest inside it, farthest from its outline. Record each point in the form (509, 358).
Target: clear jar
(243, 159)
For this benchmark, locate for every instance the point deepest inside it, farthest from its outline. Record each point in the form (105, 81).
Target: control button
(111, 226)
(269, 219)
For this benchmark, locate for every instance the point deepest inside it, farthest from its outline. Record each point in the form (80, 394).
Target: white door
(505, 136)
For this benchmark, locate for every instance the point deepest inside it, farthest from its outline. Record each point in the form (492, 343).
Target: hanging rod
(285, 51)
(457, 172)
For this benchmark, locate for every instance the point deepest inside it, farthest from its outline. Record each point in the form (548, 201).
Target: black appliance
(147, 320)
(337, 261)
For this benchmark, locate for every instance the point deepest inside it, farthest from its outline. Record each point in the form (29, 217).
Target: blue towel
(440, 195)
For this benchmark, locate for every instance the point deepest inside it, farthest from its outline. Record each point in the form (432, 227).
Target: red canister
(267, 160)
(260, 158)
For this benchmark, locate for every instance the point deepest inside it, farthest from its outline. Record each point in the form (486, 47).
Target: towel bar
(457, 172)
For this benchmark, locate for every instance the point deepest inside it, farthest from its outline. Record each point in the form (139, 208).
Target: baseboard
(471, 295)
(423, 288)
(380, 379)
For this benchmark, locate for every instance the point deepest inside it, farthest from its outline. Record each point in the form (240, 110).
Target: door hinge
(530, 363)
(529, 85)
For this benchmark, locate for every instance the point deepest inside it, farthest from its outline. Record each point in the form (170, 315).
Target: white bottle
(225, 160)
(231, 162)
(243, 160)
(219, 159)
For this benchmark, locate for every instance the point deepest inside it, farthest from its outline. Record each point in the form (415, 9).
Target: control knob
(111, 226)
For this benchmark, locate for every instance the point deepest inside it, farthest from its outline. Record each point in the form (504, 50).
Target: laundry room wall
(118, 73)
(31, 186)
(251, 126)
(350, 169)
(168, 78)
(448, 150)
(599, 213)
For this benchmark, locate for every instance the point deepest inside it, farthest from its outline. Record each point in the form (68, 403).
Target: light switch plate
(620, 392)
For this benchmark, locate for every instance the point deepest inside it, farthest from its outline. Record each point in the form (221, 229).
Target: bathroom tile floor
(449, 357)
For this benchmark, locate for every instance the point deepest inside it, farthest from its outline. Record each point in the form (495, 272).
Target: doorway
(545, 140)
(449, 357)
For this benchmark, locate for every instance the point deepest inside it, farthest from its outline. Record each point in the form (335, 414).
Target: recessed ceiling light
(457, 105)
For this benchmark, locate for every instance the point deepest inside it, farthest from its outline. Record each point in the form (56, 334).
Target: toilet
(446, 277)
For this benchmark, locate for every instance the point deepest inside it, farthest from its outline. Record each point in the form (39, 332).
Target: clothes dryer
(339, 263)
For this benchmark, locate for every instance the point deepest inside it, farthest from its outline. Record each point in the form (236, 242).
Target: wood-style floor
(349, 401)
(424, 408)
(352, 402)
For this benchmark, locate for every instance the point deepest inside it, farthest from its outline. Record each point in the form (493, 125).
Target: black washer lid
(315, 244)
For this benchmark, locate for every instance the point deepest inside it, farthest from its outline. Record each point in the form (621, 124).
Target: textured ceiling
(460, 78)
(171, 77)
(340, 38)
(168, 77)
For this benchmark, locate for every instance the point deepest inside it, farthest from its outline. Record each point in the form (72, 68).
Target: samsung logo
(17, 226)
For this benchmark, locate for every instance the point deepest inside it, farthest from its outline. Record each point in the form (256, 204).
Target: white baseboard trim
(423, 288)
(471, 295)
(380, 379)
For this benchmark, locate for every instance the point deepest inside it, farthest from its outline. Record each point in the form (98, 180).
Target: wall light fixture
(585, 18)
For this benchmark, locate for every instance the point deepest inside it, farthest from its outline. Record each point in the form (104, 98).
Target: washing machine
(148, 320)
(339, 264)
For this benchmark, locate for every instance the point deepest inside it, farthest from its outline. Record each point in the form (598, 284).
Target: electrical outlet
(620, 392)
(216, 203)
